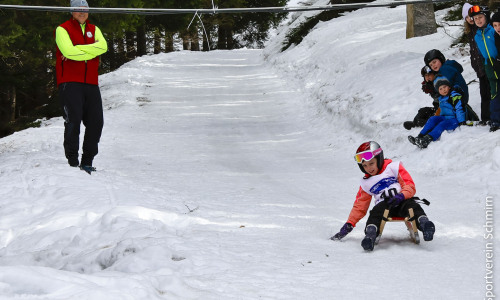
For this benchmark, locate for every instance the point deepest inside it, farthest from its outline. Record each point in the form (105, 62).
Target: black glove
(458, 89)
(428, 87)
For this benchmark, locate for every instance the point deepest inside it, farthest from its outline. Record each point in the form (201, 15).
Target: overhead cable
(215, 10)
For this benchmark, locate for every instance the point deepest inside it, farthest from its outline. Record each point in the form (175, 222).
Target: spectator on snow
(392, 187)
(451, 114)
(79, 45)
(450, 69)
(425, 113)
(477, 63)
(485, 41)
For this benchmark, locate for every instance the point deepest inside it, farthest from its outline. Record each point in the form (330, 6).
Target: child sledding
(393, 189)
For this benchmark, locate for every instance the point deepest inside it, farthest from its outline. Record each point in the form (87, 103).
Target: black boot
(369, 241)
(427, 228)
(408, 125)
(423, 142)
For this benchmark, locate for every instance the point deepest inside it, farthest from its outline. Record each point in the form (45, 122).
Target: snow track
(214, 181)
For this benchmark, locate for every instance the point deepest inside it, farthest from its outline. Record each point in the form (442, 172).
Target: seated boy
(451, 114)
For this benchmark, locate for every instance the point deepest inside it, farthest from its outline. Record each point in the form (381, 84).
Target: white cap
(465, 9)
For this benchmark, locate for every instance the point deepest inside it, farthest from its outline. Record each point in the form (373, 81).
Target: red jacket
(77, 71)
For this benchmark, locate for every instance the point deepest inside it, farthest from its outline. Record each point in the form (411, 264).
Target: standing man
(79, 45)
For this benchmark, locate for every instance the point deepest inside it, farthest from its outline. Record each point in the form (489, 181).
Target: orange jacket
(363, 199)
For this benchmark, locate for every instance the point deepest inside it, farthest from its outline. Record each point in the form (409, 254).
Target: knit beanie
(465, 10)
(495, 17)
(441, 80)
(79, 3)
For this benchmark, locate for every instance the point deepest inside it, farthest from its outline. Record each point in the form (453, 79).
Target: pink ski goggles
(366, 155)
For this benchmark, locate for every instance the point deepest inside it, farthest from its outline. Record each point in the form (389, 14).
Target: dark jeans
(81, 103)
(377, 212)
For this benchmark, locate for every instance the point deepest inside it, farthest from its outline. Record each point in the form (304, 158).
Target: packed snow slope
(222, 175)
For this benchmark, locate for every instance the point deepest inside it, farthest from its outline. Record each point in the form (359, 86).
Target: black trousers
(377, 212)
(81, 103)
(423, 115)
(484, 90)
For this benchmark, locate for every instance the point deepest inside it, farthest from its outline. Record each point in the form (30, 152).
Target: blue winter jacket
(451, 107)
(485, 40)
(452, 70)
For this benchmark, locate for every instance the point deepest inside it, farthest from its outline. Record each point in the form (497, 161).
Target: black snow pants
(423, 115)
(81, 103)
(377, 212)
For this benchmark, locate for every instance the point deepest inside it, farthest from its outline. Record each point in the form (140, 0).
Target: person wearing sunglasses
(391, 186)
(485, 41)
(477, 63)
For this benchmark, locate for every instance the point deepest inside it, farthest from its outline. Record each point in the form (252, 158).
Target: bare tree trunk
(12, 94)
(195, 40)
(221, 41)
(169, 42)
(206, 43)
(421, 20)
(229, 39)
(141, 40)
(130, 41)
(186, 40)
(157, 42)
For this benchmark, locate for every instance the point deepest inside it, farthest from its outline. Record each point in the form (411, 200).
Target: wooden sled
(411, 225)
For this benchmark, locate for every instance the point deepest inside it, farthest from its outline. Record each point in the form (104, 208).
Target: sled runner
(411, 225)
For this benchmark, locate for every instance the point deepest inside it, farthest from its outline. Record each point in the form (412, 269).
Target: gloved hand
(343, 232)
(395, 200)
(428, 87)
(457, 89)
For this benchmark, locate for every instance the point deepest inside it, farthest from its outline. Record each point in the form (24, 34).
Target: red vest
(72, 70)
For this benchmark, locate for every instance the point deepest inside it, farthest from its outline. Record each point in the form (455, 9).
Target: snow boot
(423, 142)
(412, 140)
(408, 125)
(369, 241)
(427, 228)
(88, 169)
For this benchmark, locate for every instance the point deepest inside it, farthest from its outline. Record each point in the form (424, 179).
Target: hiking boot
(408, 125)
(427, 228)
(494, 128)
(412, 140)
(88, 169)
(423, 142)
(482, 123)
(369, 241)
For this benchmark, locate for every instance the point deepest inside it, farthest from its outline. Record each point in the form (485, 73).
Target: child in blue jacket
(452, 114)
(485, 40)
(450, 69)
